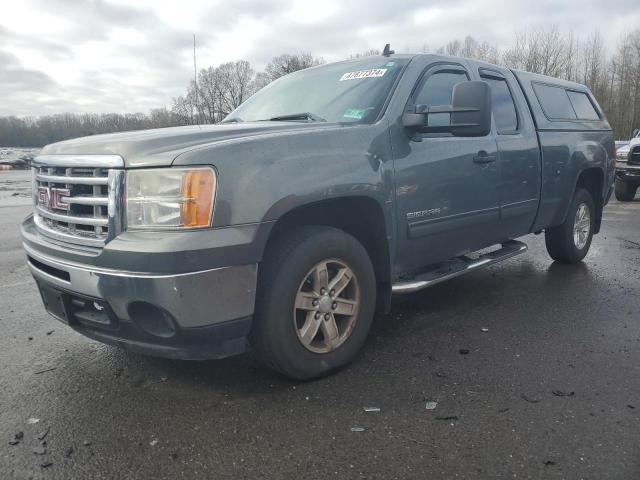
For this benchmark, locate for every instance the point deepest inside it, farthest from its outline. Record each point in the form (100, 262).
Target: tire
(625, 192)
(561, 242)
(291, 272)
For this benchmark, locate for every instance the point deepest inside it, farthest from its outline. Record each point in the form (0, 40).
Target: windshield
(347, 92)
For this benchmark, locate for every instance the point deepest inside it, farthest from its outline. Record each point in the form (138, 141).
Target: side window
(504, 109)
(582, 105)
(554, 102)
(437, 89)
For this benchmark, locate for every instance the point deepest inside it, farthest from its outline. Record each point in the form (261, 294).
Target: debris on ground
(371, 409)
(503, 410)
(17, 438)
(484, 329)
(44, 371)
(163, 379)
(549, 463)
(448, 417)
(463, 351)
(68, 452)
(529, 399)
(44, 434)
(560, 393)
(40, 451)
(440, 374)
(431, 405)
(33, 421)
(50, 332)
(86, 443)
(153, 442)
(46, 464)
(631, 406)
(357, 429)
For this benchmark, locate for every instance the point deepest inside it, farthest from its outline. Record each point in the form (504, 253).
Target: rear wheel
(316, 301)
(624, 191)
(570, 241)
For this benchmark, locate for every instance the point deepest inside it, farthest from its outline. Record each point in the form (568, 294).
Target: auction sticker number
(372, 73)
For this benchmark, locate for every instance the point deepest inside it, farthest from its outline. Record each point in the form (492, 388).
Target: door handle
(483, 157)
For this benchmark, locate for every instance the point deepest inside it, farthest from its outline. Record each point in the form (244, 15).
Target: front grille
(634, 156)
(75, 198)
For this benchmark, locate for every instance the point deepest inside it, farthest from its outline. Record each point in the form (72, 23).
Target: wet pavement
(528, 369)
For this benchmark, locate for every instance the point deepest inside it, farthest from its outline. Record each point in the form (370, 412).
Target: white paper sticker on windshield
(372, 73)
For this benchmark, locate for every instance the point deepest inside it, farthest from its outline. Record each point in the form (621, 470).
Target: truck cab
(283, 228)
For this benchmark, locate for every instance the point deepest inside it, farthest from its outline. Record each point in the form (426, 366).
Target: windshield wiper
(298, 116)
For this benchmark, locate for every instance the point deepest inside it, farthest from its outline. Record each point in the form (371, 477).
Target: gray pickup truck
(284, 228)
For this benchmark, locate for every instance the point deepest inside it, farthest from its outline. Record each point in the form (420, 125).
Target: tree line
(613, 77)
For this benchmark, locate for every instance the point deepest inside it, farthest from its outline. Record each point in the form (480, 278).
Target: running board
(459, 266)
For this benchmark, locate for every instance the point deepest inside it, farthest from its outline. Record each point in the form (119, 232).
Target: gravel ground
(549, 388)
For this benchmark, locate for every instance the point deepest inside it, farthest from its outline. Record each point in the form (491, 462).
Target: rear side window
(504, 110)
(582, 105)
(554, 101)
(437, 89)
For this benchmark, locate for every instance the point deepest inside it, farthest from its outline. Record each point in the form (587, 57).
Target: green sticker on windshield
(356, 113)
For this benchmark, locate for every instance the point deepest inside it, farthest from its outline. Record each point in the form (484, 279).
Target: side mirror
(635, 133)
(470, 112)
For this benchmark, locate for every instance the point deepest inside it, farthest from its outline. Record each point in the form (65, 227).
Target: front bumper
(628, 173)
(189, 315)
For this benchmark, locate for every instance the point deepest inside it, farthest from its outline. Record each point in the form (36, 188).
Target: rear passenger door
(519, 156)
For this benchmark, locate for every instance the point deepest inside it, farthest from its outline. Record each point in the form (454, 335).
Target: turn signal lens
(197, 187)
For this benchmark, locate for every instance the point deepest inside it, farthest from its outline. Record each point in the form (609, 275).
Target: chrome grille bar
(85, 220)
(71, 179)
(86, 200)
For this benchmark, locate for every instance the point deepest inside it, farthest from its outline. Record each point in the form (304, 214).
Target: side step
(458, 266)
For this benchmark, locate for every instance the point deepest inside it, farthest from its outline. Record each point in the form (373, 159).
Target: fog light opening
(152, 319)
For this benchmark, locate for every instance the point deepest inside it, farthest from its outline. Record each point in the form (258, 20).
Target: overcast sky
(131, 56)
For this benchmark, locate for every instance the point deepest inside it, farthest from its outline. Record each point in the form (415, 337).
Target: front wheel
(624, 191)
(570, 241)
(316, 299)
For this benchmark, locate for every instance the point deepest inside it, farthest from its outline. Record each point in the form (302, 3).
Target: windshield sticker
(356, 113)
(372, 73)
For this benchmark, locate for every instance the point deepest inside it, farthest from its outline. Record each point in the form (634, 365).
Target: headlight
(170, 198)
(622, 156)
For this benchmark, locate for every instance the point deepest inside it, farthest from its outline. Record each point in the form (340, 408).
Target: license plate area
(74, 309)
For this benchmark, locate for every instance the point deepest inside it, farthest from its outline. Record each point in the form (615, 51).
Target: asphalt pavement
(533, 369)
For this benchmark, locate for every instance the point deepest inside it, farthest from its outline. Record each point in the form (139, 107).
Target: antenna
(387, 50)
(195, 77)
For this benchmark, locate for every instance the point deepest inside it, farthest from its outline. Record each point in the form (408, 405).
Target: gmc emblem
(52, 197)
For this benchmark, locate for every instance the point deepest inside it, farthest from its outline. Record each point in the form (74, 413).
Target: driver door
(446, 187)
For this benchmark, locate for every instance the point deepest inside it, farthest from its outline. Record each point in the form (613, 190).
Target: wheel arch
(592, 180)
(361, 216)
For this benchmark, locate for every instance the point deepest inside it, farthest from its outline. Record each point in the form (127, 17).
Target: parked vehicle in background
(628, 169)
(17, 158)
(331, 189)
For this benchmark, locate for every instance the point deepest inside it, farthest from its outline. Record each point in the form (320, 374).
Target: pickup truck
(628, 169)
(286, 227)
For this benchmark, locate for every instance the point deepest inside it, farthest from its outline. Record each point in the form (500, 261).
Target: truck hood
(159, 147)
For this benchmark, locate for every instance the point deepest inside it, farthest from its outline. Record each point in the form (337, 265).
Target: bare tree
(367, 53)
(288, 63)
